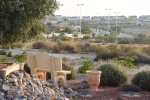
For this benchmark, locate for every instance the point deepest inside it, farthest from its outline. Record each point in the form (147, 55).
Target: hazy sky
(97, 7)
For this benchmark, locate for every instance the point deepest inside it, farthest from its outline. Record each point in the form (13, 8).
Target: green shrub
(71, 76)
(112, 75)
(128, 62)
(142, 79)
(3, 52)
(130, 88)
(9, 54)
(3, 59)
(88, 65)
(20, 57)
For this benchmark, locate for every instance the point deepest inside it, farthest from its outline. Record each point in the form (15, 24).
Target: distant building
(49, 19)
(132, 17)
(74, 18)
(96, 18)
(132, 20)
(86, 18)
(59, 18)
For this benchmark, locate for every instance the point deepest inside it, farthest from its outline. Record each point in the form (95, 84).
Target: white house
(86, 18)
(59, 18)
(76, 18)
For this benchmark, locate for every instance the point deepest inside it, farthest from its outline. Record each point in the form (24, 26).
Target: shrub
(71, 76)
(3, 52)
(124, 40)
(130, 88)
(18, 44)
(63, 47)
(20, 57)
(37, 45)
(142, 79)
(146, 50)
(3, 59)
(112, 75)
(109, 52)
(88, 65)
(9, 54)
(128, 62)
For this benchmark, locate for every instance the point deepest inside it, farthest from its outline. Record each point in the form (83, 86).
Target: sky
(98, 7)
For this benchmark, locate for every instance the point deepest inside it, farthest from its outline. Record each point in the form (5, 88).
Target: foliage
(71, 76)
(18, 44)
(62, 37)
(68, 30)
(38, 45)
(85, 29)
(86, 37)
(124, 41)
(3, 59)
(88, 64)
(63, 47)
(112, 75)
(146, 50)
(20, 57)
(142, 79)
(115, 30)
(130, 88)
(106, 39)
(22, 19)
(9, 54)
(3, 52)
(128, 62)
(108, 52)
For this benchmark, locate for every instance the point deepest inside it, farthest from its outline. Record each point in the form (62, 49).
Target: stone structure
(7, 68)
(43, 63)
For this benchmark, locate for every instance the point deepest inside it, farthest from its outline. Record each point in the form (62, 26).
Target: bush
(71, 76)
(38, 45)
(128, 62)
(3, 59)
(63, 48)
(9, 54)
(18, 44)
(130, 88)
(20, 57)
(112, 75)
(142, 79)
(3, 52)
(108, 52)
(88, 65)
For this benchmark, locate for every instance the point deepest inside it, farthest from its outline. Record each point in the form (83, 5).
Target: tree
(85, 28)
(68, 29)
(22, 19)
(115, 31)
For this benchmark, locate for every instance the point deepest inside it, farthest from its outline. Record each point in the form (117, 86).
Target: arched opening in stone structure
(48, 76)
(40, 76)
(60, 82)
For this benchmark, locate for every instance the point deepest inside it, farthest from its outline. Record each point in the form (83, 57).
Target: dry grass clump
(18, 45)
(63, 47)
(108, 52)
(43, 45)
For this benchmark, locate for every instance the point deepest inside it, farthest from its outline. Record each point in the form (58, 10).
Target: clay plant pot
(93, 78)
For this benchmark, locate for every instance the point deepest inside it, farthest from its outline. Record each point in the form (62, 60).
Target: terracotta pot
(93, 78)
